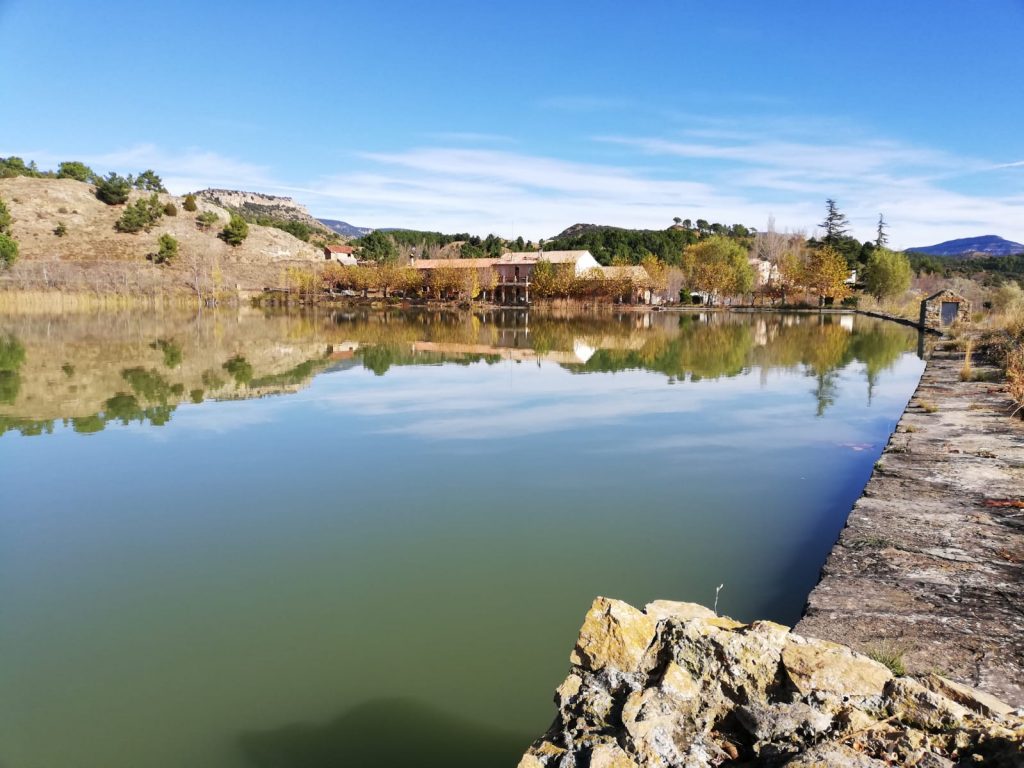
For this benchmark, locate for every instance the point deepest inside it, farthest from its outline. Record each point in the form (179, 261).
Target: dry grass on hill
(93, 256)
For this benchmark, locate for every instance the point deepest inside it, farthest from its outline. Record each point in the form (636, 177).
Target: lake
(249, 540)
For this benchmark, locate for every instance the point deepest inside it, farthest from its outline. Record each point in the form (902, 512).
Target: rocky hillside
(345, 229)
(676, 685)
(253, 204)
(91, 254)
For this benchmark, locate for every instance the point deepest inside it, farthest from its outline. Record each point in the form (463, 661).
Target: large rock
(676, 685)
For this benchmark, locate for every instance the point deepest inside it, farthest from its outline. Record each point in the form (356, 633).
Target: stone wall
(931, 309)
(677, 685)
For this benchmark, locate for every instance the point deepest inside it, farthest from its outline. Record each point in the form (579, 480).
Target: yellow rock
(614, 636)
(670, 609)
(679, 683)
(529, 761)
(817, 665)
(610, 756)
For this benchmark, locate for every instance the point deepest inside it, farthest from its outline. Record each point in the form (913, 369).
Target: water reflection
(385, 732)
(87, 372)
(408, 529)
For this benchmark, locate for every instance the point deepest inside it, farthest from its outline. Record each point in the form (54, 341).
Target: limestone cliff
(259, 204)
(676, 685)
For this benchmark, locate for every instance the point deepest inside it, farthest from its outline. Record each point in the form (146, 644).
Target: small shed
(943, 309)
(343, 254)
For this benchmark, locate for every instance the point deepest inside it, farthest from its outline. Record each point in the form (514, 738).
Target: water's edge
(930, 564)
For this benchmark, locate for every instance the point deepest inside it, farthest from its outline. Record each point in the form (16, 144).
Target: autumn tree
(718, 266)
(887, 273)
(410, 280)
(543, 279)
(825, 274)
(656, 270)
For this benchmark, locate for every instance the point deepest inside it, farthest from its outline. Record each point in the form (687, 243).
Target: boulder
(676, 685)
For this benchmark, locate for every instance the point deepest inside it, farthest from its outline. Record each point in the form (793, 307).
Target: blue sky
(526, 117)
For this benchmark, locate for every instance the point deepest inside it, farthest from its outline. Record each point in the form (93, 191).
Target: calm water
(248, 541)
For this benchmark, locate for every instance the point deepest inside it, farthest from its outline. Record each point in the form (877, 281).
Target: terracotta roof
(339, 248)
(456, 263)
(532, 257)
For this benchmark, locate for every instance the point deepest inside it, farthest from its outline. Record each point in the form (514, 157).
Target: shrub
(8, 250)
(113, 189)
(206, 219)
(60, 230)
(5, 219)
(140, 215)
(236, 230)
(190, 203)
(167, 252)
(170, 209)
(73, 169)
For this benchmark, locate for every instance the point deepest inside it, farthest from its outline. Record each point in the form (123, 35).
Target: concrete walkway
(931, 563)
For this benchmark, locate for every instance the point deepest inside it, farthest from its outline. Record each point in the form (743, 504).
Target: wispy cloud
(704, 167)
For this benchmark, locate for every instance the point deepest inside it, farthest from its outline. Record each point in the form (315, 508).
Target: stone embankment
(676, 685)
(930, 567)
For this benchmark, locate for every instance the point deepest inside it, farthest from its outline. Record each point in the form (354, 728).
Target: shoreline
(930, 565)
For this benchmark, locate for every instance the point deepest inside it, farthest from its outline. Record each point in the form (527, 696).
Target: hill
(345, 229)
(986, 245)
(92, 255)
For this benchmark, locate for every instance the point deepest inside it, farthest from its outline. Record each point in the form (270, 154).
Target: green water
(295, 541)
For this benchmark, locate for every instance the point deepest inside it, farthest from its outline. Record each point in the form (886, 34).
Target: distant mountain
(345, 229)
(986, 245)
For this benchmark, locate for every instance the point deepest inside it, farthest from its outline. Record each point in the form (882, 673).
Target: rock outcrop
(676, 685)
(259, 204)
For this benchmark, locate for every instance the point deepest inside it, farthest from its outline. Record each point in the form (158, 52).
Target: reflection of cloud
(471, 404)
(220, 417)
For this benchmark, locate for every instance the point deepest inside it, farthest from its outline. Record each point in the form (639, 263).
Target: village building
(764, 271)
(514, 270)
(638, 280)
(343, 254)
(943, 309)
(510, 274)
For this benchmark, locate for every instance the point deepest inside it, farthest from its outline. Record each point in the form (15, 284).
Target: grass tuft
(888, 654)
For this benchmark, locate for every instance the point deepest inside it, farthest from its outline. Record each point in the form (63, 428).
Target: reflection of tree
(699, 351)
(12, 355)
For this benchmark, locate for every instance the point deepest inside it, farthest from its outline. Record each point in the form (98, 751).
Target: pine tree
(236, 230)
(881, 239)
(836, 225)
